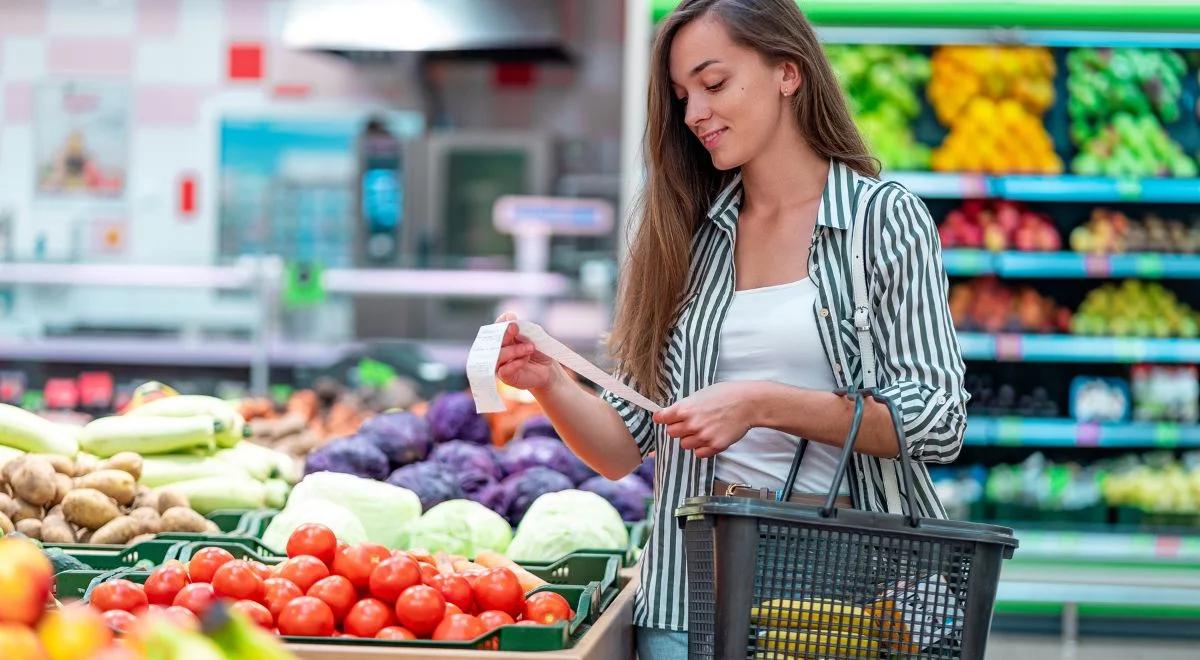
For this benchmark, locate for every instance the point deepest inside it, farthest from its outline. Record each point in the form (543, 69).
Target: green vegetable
(383, 509)
(21, 429)
(191, 405)
(147, 435)
(164, 470)
(460, 527)
(261, 462)
(61, 561)
(342, 521)
(566, 521)
(277, 492)
(228, 492)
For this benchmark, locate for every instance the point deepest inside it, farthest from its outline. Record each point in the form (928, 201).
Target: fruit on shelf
(996, 137)
(998, 225)
(881, 84)
(1102, 82)
(1108, 231)
(1133, 146)
(1135, 309)
(961, 74)
(986, 304)
(1157, 483)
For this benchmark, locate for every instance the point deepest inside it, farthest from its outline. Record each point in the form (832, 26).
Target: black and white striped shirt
(918, 360)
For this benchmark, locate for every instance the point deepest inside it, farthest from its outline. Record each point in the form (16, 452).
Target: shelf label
(1097, 265)
(1008, 431)
(1167, 546)
(974, 185)
(1148, 265)
(1008, 348)
(1166, 435)
(1087, 434)
(1129, 188)
(1129, 350)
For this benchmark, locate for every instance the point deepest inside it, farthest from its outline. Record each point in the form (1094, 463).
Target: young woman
(736, 305)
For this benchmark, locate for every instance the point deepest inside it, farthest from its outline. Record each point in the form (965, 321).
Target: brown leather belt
(722, 489)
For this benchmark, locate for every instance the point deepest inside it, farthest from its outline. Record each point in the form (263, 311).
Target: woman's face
(734, 99)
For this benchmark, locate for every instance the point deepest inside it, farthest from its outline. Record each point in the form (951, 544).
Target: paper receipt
(485, 351)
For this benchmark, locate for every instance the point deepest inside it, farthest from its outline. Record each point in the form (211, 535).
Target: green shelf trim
(1123, 15)
(1111, 610)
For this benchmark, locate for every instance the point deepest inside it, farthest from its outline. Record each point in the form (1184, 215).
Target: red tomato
(493, 619)
(256, 612)
(395, 632)
(547, 607)
(337, 592)
(456, 590)
(261, 570)
(428, 572)
(196, 597)
(498, 589)
(356, 563)
(164, 582)
(306, 616)
(206, 562)
(277, 592)
(315, 540)
(420, 609)
(119, 621)
(119, 595)
(368, 617)
(458, 628)
(182, 617)
(392, 576)
(304, 571)
(236, 580)
(451, 608)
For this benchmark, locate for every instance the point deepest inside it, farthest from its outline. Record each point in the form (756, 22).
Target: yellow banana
(822, 614)
(812, 644)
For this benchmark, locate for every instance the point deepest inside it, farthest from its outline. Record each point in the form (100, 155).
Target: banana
(821, 614)
(812, 644)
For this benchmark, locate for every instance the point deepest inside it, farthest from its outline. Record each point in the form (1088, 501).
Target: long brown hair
(682, 181)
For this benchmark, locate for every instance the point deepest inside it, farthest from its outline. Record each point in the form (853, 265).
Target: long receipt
(485, 352)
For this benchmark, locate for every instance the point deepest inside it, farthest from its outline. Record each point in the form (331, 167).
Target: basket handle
(843, 465)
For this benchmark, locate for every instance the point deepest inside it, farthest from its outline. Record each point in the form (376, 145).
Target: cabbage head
(384, 510)
(565, 521)
(460, 527)
(345, 525)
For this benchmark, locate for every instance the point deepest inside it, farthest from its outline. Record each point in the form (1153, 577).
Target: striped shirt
(919, 365)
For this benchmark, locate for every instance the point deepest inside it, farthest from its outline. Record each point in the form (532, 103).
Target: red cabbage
(402, 436)
(353, 455)
(628, 494)
(452, 416)
(473, 466)
(518, 491)
(646, 470)
(431, 481)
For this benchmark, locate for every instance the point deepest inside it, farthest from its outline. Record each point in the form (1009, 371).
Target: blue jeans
(661, 644)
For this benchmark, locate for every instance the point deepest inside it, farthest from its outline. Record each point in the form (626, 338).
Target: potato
(169, 499)
(83, 535)
(55, 510)
(26, 511)
(139, 538)
(125, 461)
(33, 481)
(147, 520)
(116, 531)
(117, 484)
(31, 527)
(62, 485)
(8, 506)
(56, 530)
(89, 507)
(183, 519)
(6, 525)
(85, 464)
(10, 468)
(211, 527)
(60, 463)
(145, 497)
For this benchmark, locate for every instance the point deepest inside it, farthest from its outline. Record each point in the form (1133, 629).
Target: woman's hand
(710, 420)
(520, 365)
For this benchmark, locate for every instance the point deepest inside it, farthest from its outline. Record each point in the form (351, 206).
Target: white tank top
(770, 334)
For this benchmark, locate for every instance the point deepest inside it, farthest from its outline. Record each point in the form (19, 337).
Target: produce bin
(241, 548)
(106, 557)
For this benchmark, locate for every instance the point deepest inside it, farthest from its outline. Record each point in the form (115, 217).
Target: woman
(736, 305)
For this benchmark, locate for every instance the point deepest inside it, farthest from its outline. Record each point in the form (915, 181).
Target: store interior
(297, 215)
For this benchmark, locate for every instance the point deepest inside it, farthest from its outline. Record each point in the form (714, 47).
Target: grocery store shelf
(1032, 432)
(1063, 265)
(1076, 349)
(1100, 600)
(1048, 188)
(457, 283)
(927, 36)
(172, 352)
(190, 277)
(1094, 546)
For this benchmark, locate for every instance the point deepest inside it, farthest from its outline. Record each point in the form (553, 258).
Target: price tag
(1008, 431)
(1166, 435)
(1008, 348)
(1097, 265)
(1087, 434)
(1167, 547)
(1148, 265)
(1129, 188)
(975, 185)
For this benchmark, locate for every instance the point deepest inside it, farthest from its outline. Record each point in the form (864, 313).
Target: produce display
(1135, 308)
(1108, 231)
(1157, 483)
(991, 400)
(880, 83)
(986, 304)
(1132, 146)
(998, 225)
(1100, 400)
(1166, 393)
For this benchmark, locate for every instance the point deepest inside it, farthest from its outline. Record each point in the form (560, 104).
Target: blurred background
(255, 198)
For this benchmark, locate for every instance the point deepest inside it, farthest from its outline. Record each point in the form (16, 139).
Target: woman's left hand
(710, 420)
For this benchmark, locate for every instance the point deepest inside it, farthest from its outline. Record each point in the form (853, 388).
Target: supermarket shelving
(1070, 265)
(1047, 188)
(1076, 349)
(1052, 432)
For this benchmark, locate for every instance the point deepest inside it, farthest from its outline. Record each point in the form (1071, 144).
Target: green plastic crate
(241, 548)
(107, 557)
(581, 569)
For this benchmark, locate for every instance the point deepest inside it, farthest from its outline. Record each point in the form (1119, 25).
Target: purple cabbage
(352, 455)
(628, 494)
(474, 466)
(538, 426)
(431, 481)
(452, 416)
(646, 470)
(517, 492)
(520, 455)
(402, 436)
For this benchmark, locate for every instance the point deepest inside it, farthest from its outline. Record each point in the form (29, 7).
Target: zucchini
(21, 429)
(165, 470)
(211, 493)
(148, 435)
(190, 405)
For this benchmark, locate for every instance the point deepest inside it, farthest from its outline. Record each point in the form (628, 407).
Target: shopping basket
(781, 580)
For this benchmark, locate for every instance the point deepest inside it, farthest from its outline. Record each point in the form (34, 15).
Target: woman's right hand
(520, 365)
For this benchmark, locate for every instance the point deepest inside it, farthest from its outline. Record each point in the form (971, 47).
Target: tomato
(420, 609)
(451, 608)
(119, 595)
(547, 607)
(392, 576)
(456, 590)
(166, 581)
(395, 632)
(337, 592)
(277, 592)
(306, 616)
(428, 572)
(119, 621)
(368, 617)
(182, 617)
(498, 589)
(197, 597)
(256, 612)
(236, 580)
(304, 571)
(261, 570)
(357, 562)
(206, 562)
(315, 540)
(459, 628)
(493, 619)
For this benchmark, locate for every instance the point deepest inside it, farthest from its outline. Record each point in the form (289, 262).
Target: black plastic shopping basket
(780, 580)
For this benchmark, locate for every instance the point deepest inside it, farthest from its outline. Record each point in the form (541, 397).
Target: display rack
(1031, 432)
(1070, 265)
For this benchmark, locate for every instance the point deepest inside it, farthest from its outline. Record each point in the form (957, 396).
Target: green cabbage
(344, 524)
(460, 527)
(384, 510)
(563, 522)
